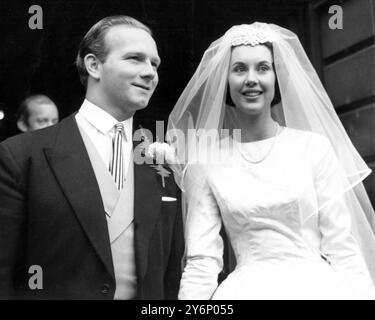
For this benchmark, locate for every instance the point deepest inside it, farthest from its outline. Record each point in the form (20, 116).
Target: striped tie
(116, 166)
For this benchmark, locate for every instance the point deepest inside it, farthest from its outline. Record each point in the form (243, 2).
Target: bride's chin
(252, 109)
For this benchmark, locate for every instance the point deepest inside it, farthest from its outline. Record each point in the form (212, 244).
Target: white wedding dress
(282, 216)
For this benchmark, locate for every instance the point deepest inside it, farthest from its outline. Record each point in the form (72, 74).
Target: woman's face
(251, 78)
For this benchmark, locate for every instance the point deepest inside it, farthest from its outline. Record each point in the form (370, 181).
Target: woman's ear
(93, 66)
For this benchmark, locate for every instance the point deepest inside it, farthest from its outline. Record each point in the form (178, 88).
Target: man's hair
(94, 41)
(23, 112)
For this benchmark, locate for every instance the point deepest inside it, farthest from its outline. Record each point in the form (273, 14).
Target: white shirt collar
(102, 120)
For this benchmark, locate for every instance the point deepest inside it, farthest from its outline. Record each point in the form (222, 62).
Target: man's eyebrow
(142, 54)
(136, 53)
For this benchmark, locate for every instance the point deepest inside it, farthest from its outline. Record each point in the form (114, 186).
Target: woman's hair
(277, 96)
(93, 42)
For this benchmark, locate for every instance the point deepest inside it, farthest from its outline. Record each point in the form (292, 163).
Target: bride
(287, 186)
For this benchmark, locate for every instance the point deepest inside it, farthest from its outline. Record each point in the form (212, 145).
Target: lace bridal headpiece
(249, 34)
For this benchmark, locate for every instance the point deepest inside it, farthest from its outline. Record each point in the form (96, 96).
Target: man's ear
(22, 125)
(93, 66)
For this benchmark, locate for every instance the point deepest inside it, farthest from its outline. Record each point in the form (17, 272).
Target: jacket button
(104, 289)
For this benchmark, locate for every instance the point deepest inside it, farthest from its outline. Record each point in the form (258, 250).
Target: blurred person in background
(36, 112)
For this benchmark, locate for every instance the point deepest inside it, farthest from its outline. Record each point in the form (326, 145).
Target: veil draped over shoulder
(304, 105)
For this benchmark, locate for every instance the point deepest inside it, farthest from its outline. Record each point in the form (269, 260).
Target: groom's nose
(149, 71)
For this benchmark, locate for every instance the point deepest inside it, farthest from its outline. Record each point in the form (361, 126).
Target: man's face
(128, 76)
(41, 115)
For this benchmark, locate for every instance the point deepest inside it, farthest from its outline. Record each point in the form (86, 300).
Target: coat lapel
(147, 197)
(71, 165)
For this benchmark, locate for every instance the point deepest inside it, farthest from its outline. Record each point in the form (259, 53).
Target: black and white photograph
(212, 151)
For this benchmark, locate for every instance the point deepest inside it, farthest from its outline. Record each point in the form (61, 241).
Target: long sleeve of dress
(337, 241)
(204, 245)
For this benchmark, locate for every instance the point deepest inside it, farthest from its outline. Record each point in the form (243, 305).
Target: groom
(79, 219)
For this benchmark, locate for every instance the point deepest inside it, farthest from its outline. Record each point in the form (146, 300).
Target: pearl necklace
(246, 157)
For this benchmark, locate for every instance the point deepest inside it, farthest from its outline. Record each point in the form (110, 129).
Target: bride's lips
(252, 94)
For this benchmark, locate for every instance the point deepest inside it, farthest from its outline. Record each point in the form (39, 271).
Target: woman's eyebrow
(238, 62)
(265, 61)
(235, 63)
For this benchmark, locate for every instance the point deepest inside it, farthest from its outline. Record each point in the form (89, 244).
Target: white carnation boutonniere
(163, 154)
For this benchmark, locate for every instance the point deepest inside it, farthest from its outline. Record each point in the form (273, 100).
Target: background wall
(42, 61)
(346, 61)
